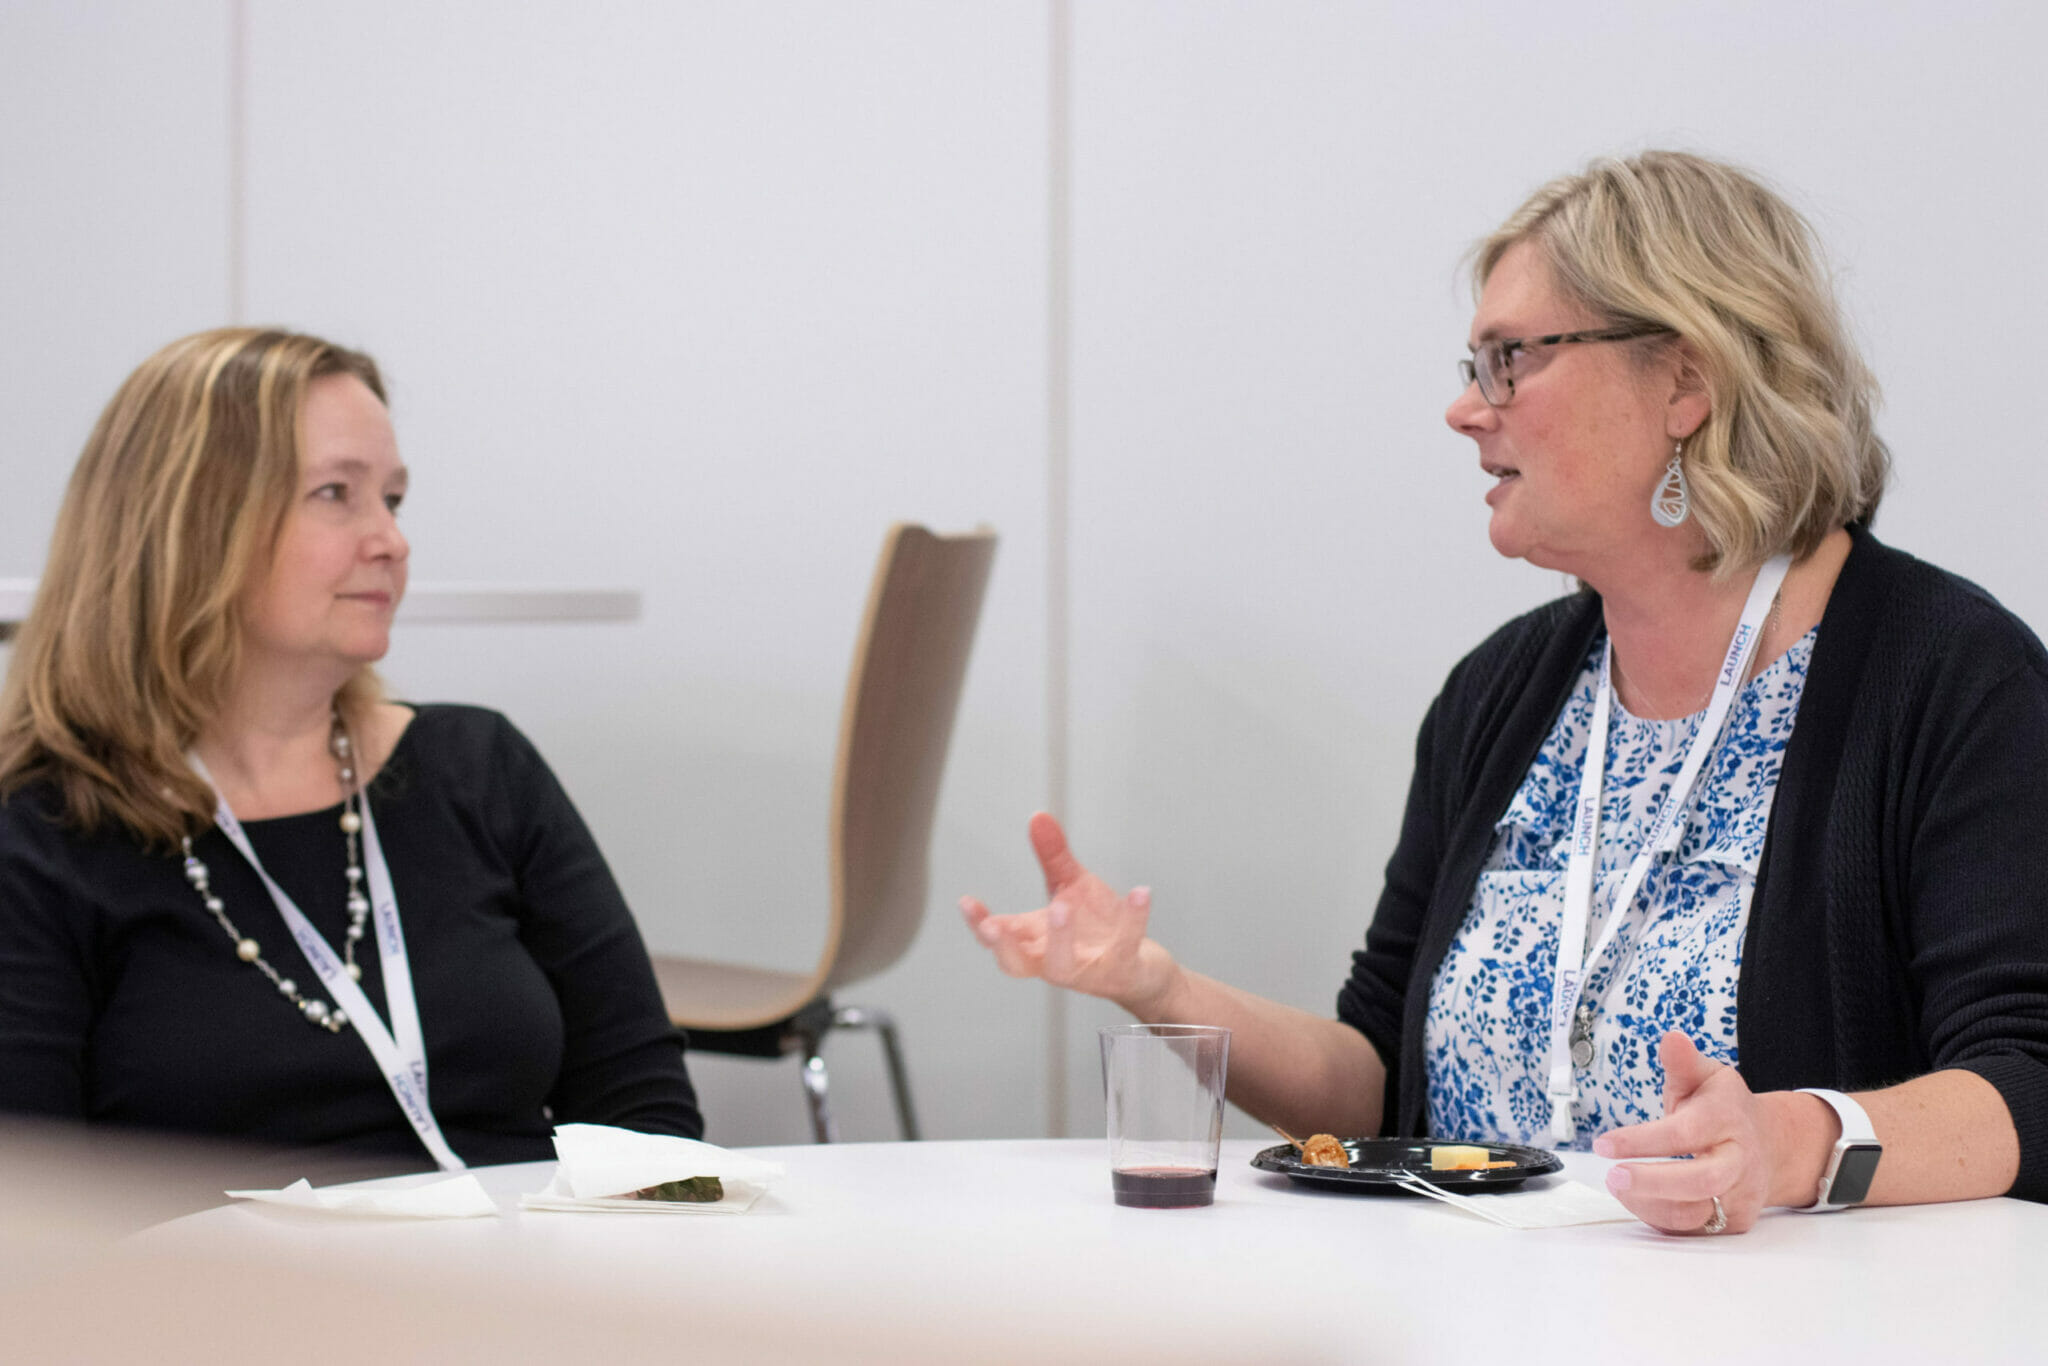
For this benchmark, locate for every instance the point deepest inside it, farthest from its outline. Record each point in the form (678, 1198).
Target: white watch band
(1856, 1129)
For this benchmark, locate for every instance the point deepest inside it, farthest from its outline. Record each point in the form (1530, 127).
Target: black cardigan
(1900, 920)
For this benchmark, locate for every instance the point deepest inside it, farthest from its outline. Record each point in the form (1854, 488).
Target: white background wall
(696, 297)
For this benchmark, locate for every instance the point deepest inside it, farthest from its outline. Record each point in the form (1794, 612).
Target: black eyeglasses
(1493, 362)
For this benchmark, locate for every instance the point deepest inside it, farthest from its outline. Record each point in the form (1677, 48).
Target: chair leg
(884, 1024)
(817, 1091)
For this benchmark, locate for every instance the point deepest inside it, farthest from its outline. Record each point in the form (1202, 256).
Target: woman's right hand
(1085, 937)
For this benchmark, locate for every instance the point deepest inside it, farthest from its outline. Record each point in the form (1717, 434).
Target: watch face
(1854, 1167)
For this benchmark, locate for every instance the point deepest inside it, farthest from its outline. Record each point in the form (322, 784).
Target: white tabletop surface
(1015, 1250)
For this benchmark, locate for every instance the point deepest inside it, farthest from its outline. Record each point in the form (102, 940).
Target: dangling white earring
(1672, 502)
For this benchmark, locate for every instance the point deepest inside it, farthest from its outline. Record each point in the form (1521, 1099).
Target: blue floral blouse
(1674, 960)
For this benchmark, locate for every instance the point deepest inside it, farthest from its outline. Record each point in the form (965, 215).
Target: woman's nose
(1470, 413)
(386, 541)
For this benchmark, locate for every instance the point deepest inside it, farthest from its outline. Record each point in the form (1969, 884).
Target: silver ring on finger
(1718, 1220)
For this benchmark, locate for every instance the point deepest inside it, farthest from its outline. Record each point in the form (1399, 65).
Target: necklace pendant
(1582, 1038)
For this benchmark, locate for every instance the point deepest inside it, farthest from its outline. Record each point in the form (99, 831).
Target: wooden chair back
(901, 695)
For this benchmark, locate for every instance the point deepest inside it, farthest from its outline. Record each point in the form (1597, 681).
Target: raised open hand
(1086, 936)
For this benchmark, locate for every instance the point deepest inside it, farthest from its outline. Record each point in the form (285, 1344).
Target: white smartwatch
(1846, 1181)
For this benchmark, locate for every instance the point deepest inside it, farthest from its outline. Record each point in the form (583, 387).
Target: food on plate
(1457, 1157)
(695, 1190)
(1463, 1157)
(1323, 1150)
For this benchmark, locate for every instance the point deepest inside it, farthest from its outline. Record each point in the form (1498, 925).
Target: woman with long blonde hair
(241, 891)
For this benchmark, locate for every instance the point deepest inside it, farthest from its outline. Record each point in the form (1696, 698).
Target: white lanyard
(402, 1060)
(1573, 962)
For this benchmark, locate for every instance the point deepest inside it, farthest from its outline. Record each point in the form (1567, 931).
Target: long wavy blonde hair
(135, 635)
(1790, 450)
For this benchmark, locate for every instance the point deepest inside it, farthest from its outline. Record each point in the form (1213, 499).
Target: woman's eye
(394, 501)
(332, 493)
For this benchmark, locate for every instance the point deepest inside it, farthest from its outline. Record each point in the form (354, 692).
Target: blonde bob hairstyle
(1787, 453)
(135, 635)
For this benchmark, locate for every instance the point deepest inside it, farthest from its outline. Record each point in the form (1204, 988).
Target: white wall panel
(696, 299)
(1279, 547)
(113, 210)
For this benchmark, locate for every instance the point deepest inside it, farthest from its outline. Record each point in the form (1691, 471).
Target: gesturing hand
(1085, 937)
(1710, 1115)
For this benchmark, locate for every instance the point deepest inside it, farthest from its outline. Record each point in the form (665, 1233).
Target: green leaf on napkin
(697, 1190)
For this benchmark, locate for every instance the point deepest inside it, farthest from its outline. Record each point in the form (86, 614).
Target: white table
(1015, 1251)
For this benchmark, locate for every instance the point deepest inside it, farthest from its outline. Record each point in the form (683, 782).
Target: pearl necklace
(316, 1012)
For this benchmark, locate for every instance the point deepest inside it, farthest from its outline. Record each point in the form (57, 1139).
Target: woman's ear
(1690, 405)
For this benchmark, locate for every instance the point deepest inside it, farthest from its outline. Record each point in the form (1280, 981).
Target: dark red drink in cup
(1163, 1086)
(1163, 1187)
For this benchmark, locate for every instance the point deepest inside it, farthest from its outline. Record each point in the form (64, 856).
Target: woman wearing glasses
(1727, 856)
(241, 892)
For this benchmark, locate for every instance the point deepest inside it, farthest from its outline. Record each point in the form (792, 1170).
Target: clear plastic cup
(1164, 1088)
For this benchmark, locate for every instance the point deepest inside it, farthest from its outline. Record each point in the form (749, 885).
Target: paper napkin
(598, 1166)
(458, 1197)
(1558, 1206)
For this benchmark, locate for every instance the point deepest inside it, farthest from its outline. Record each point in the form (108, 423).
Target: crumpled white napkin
(458, 1197)
(597, 1164)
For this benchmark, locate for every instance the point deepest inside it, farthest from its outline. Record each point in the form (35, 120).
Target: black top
(122, 1000)
(1900, 920)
